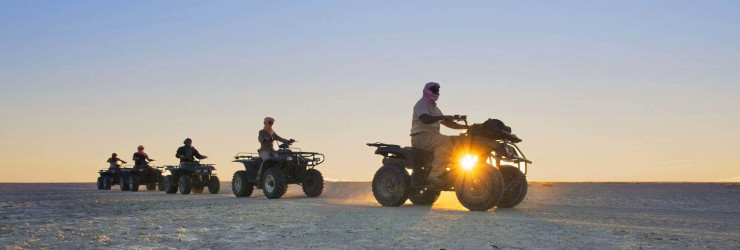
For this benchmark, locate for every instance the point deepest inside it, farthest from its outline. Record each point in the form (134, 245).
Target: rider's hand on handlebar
(461, 117)
(292, 140)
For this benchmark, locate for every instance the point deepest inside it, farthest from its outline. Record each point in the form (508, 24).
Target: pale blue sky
(599, 90)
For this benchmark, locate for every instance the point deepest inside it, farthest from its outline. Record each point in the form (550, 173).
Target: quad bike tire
(313, 185)
(169, 185)
(515, 183)
(101, 185)
(160, 183)
(124, 184)
(391, 186)
(214, 185)
(197, 184)
(133, 183)
(240, 186)
(481, 188)
(107, 182)
(423, 197)
(274, 185)
(151, 186)
(185, 184)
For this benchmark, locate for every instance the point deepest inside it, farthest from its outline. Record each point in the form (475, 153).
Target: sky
(598, 90)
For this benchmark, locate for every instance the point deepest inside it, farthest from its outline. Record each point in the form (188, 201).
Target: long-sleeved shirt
(141, 158)
(267, 139)
(114, 162)
(188, 154)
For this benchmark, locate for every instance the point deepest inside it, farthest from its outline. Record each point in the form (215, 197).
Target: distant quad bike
(146, 175)
(286, 166)
(111, 177)
(486, 169)
(191, 177)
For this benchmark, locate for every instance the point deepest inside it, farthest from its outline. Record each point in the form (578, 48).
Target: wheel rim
(309, 183)
(238, 184)
(269, 183)
(476, 186)
(388, 185)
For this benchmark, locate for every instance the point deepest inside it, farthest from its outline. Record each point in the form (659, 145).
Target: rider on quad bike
(112, 175)
(113, 160)
(267, 138)
(425, 133)
(140, 158)
(190, 175)
(188, 153)
(489, 170)
(143, 173)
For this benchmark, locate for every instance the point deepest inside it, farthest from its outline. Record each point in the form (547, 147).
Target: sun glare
(469, 161)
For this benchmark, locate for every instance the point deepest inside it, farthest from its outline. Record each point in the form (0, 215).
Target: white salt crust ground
(565, 216)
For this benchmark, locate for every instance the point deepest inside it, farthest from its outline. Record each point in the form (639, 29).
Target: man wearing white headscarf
(425, 133)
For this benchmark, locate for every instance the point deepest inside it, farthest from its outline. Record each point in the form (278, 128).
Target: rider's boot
(437, 177)
(259, 175)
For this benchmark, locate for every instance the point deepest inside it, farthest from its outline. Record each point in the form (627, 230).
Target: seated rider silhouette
(425, 133)
(113, 160)
(188, 153)
(267, 138)
(141, 159)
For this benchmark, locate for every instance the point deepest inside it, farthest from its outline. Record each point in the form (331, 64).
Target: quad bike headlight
(468, 161)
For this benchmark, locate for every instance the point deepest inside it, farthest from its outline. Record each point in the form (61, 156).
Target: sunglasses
(271, 122)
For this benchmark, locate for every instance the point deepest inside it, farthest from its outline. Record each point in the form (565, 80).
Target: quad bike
(286, 166)
(191, 177)
(486, 169)
(145, 175)
(110, 177)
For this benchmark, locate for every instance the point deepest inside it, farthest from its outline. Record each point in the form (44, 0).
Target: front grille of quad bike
(195, 168)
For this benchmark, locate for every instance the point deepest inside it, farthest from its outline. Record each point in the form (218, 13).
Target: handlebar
(463, 118)
(287, 144)
(460, 117)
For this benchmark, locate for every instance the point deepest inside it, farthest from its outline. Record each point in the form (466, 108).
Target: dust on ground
(562, 215)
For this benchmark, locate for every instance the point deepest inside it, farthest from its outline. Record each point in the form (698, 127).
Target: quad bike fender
(400, 157)
(251, 167)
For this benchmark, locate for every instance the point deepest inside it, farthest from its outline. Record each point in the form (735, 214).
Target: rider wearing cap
(188, 153)
(425, 133)
(113, 160)
(141, 158)
(267, 138)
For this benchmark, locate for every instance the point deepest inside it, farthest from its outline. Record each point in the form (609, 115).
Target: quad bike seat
(421, 157)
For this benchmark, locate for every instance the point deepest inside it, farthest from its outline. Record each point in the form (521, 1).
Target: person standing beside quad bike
(425, 133)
